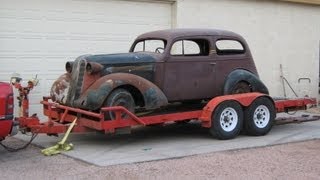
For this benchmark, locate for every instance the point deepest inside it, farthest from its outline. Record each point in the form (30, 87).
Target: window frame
(243, 53)
(193, 38)
(165, 43)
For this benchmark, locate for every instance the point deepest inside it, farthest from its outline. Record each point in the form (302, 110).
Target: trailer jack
(61, 145)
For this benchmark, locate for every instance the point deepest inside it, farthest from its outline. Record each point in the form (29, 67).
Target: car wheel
(119, 97)
(227, 120)
(241, 87)
(259, 117)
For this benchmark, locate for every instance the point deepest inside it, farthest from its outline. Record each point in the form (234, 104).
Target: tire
(227, 120)
(119, 97)
(259, 117)
(241, 87)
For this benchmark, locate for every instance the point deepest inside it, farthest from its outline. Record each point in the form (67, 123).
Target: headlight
(93, 67)
(69, 65)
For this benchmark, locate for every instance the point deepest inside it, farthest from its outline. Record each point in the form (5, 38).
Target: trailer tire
(259, 117)
(119, 97)
(227, 120)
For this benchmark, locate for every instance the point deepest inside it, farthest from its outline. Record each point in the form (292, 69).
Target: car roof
(175, 33)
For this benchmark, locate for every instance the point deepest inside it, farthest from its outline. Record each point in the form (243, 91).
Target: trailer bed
(60, 116)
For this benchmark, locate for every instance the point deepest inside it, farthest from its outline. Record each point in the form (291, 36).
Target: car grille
(77, 74)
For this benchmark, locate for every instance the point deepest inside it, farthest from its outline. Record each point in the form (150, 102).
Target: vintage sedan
(176, 65)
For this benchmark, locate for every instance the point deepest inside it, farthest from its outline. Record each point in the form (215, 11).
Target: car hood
(121, 58)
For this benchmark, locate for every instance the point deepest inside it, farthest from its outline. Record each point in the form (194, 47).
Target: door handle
(212, 63)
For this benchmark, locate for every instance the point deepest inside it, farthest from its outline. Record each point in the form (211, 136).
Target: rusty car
(162, 67)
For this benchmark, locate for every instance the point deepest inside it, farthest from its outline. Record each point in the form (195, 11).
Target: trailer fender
(241, 75)
(244, 99)
(97, 93)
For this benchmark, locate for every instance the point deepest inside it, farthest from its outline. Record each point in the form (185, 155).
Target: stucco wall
(277, 33)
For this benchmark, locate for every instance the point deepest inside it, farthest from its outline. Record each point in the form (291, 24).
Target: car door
(230, 54)
(189, 70)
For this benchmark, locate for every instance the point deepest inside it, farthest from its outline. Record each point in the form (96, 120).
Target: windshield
(150, 45)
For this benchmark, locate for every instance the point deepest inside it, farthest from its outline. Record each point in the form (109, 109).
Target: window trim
(165, 43)
(190, 39)
(244, 51)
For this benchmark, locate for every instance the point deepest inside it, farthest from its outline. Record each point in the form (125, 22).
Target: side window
(190, 47)
(152, 45)
(139, 46)
(229, 47)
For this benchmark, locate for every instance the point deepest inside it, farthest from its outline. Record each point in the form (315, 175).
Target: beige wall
(277, 33)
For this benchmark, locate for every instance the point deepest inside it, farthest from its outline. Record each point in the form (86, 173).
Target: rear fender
(97, 93)
(5, 128)
(239, 75)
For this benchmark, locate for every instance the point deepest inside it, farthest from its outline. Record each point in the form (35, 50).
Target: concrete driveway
(171, 141)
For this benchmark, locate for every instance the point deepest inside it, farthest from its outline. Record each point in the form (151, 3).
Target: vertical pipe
(282, 81)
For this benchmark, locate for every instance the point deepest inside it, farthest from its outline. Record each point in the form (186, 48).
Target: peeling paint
(60, 88)
(95, 96)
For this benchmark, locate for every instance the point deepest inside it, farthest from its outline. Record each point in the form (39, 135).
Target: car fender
(94, 97)
(239, 75)
(60, 87)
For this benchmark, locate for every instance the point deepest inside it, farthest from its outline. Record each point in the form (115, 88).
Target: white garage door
(38, 36)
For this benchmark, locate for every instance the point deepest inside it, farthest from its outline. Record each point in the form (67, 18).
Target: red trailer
(224, 116)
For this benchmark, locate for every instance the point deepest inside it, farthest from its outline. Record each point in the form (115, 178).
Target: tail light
(10, 104)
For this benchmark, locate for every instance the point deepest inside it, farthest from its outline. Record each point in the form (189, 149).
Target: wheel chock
(61, 145)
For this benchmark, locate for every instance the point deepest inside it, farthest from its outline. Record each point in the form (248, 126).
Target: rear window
(229, 47)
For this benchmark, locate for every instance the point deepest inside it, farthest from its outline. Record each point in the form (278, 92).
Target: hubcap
(228, 119)
(261, 116)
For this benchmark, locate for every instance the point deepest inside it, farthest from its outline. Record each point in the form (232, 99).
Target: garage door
(38, 36)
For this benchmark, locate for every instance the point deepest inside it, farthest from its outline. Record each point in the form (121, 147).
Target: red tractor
(6, 111)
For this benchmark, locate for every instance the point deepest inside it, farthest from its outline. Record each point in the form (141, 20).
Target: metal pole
(282, 80)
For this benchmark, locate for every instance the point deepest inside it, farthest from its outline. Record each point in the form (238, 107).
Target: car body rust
(145, 91)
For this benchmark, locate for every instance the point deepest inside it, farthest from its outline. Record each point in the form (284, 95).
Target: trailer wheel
(119, 97)
(227, 120)
(259, 117)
